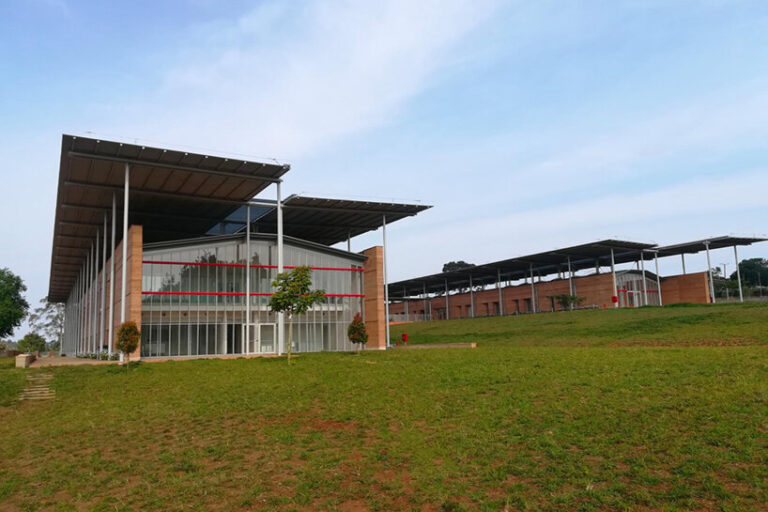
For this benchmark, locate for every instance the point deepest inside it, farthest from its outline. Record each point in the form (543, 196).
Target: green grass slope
(677, 325)
(552, 421)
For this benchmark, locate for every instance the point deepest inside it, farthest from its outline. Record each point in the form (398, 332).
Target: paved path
(37, 387)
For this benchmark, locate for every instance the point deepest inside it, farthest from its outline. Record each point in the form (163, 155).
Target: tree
(568, 301)
(128, 337)
(48, 320)
(32, 342)
(456, 265)
(754, 271)
(293, 296)
(357, 333)
(13, 306)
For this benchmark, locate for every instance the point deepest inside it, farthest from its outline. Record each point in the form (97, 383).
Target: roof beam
(170, 195)
(144, 163)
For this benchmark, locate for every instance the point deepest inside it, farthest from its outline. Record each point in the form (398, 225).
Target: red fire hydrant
(404, 338)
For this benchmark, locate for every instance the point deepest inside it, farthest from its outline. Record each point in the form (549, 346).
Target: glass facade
(194, 299)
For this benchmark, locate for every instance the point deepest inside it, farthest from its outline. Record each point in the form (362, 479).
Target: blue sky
(528, 125)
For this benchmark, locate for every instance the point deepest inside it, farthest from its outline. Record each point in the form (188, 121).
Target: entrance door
(252, 343)
(267, 338)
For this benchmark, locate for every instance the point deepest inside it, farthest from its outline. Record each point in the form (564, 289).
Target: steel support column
(280, 264)
(102, 326)
(447, 306)
(405, 301)
(110, 341)
(613, 276)
(501, 294)
(247, 341)
(533, 292)
(711, 281)
(124, 269)
(471, 298)
(424, 285)
(658, 279)
(386, 283)
(738, 272)
(682, 258)
(645, 286)
(570, 279)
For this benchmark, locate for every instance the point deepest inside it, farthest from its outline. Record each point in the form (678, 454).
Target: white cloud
(282, 81)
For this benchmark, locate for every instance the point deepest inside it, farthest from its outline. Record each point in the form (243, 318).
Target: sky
(526, 125)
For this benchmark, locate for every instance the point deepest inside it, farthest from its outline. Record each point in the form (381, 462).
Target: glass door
(267, 342)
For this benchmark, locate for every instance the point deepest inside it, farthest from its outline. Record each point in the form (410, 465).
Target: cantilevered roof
(544, 263)
(173, 194)
(330, 221)
(701, 245)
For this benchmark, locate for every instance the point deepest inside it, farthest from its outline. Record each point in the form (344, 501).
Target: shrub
(357, 333)
(128, 337)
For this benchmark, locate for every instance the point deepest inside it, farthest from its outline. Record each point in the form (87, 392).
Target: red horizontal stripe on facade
(242, 294)
(242, 265)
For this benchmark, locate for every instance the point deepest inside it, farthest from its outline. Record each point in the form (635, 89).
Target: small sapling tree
(356, 332)
(567, 301)
(128, 337)
(294, 297)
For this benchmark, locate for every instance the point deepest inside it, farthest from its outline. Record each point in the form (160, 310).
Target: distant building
(531, 283)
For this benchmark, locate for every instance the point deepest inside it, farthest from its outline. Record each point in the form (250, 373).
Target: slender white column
(613, 276)
(96, 294)
(711, 281)
(533, 292)
(90, 302)
(447, 306)
(471, 298)
(110, 340)
(102, 327)
(658, 279)
(682, 258)
(386, 283)
(738, 272)
(424, 287)
(501, 294)
(247, 340)
(124, 271)
(645, 286)
(570, 278)
(280, 263)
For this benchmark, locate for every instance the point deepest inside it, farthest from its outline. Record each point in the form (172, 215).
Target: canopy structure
(701, 245)
(173, 195)
(177, 195)
(590, 255)
(330, 221)
(579, 257)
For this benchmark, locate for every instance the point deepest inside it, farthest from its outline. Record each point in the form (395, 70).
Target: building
(181, 244)
(532, 283)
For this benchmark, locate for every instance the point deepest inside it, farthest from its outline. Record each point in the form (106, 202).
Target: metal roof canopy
(544, 263)
(547, 263)
(330, 221)
(701, 245)
(174, 194)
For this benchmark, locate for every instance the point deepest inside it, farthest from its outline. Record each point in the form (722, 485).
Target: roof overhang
(713, 243)
(330, 221)
(173, 194)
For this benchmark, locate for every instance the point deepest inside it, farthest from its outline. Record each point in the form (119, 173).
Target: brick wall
(596, 289)
(373, 303)
(692, 288)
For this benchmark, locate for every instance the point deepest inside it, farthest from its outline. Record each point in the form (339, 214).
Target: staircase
(37, 387)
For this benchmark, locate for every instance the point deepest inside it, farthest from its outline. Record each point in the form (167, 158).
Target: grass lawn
(649, 409)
